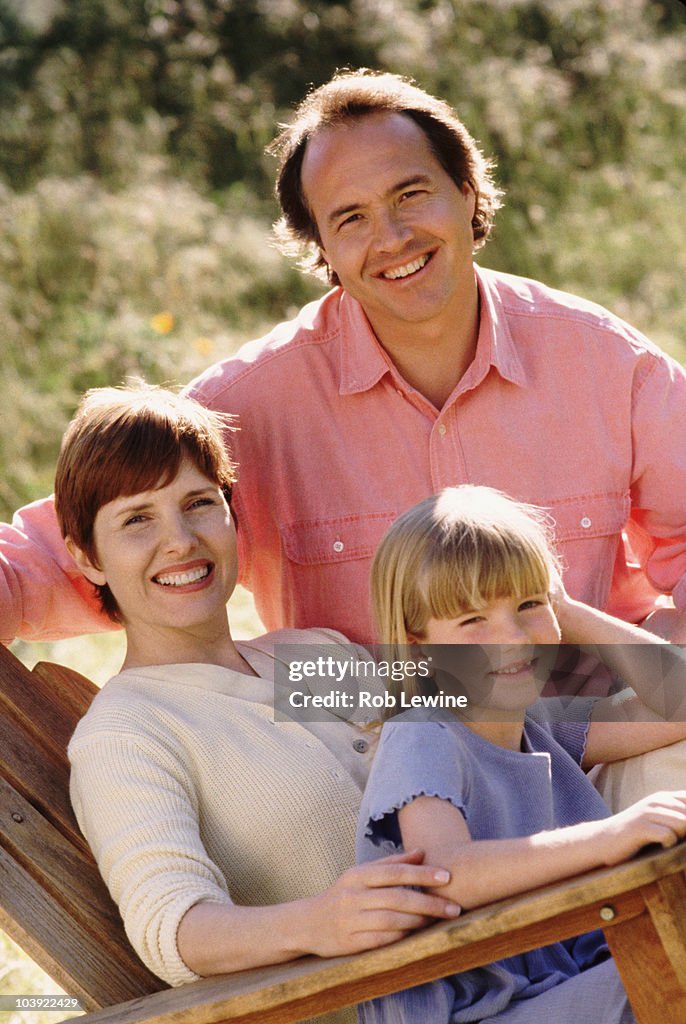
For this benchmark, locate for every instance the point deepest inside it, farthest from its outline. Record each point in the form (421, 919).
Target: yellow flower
(203, 346)
(162, 323)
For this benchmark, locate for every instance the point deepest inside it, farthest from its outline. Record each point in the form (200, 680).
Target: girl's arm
(483, 871)
(625, 725)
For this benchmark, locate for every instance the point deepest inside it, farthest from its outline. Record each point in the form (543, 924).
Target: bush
(155, 281)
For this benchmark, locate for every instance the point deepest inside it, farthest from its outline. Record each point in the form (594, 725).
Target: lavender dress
(502, 794)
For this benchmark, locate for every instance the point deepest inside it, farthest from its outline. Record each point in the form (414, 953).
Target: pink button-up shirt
(564, 406)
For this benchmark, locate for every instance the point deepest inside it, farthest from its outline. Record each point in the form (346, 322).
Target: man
(417, 371)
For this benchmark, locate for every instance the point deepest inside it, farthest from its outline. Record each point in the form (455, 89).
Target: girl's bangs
(502, 568)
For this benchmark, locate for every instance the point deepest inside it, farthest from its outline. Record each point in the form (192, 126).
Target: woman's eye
(203, 502)
(133, 520)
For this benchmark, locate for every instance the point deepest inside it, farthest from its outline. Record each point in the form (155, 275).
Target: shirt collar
(364, 362)
(495, 342)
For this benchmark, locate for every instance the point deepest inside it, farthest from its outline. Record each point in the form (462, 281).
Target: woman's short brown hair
(126, 440)
(354, 94)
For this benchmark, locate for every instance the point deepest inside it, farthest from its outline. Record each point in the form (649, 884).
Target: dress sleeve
(567, 720)
(415, 758)
(43, 596)
(136, 806)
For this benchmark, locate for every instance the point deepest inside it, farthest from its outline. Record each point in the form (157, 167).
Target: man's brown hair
(351, 95)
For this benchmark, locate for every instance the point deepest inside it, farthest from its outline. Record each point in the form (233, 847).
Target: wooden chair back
(53, 902)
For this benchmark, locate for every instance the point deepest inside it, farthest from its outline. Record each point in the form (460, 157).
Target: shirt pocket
(341, 539)
(589, 516)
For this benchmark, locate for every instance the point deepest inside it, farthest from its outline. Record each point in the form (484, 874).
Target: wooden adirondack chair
(54, 904)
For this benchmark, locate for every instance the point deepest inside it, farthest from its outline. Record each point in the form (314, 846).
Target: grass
(19, 975)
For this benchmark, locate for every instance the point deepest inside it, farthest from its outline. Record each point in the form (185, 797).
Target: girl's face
(499, 655)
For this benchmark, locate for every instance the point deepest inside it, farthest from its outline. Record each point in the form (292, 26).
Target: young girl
(496, 793)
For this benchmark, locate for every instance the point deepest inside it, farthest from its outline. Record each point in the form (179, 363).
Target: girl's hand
(371, 905)
(660, 818)
(563, 606)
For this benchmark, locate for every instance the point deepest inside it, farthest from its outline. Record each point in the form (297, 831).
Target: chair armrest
(291, 992)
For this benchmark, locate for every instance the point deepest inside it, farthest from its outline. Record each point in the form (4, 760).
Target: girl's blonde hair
(455, 551)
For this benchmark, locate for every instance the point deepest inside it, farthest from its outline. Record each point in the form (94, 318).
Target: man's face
(393, 224)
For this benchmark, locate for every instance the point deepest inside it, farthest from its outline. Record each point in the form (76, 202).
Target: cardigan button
(585, 523)
(361, 746)
(338, 546)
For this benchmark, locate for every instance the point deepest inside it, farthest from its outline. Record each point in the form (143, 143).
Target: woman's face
(168, 555)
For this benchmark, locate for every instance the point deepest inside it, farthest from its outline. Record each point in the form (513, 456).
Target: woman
(225, 838)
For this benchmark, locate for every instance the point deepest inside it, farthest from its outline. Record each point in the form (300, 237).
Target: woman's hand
(371, 905)
(659, 818)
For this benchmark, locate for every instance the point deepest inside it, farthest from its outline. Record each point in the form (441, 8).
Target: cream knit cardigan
(188, 790)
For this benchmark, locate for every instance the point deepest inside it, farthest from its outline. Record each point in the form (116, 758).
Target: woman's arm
(137, 806)
(368, 906)
(483, 871)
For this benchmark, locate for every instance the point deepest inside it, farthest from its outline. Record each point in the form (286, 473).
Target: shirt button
(360, 746)
(442, 429)
(585, 522)
(338, 545)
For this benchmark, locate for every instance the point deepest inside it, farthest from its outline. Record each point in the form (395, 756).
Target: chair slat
(88, 968)
(53, 901)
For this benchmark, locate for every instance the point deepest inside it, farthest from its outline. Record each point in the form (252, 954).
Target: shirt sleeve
(415, 758)
(153, 862)
(43, 596)
(657, 529)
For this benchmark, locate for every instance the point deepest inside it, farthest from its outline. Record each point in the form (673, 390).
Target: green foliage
(131, 147)
(135, 183)
(86, 273)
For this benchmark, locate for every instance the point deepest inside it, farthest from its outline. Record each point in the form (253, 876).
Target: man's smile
(407, 269)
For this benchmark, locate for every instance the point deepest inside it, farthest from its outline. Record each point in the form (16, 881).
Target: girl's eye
(532, 602)
(471, 621)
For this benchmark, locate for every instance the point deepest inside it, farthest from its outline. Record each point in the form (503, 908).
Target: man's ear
(89, 569)
(470, 196)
